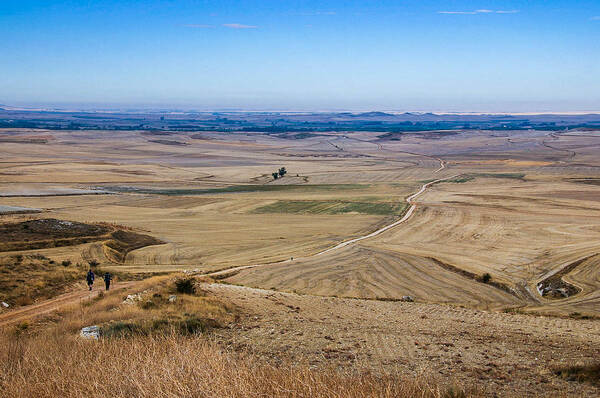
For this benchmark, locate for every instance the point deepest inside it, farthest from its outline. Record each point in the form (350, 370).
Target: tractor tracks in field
(570, 154)
(381, 148)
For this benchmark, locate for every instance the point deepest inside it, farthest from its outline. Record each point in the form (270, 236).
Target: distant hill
(374, 114)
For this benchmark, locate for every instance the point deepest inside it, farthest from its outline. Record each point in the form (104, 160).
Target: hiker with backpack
(107, 278)
(90, 278)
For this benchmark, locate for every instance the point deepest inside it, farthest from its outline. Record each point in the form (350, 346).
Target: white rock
(90, 332)
(407, 299)
(191, 271)
(172, 299)
(5, 305)
(132, 298)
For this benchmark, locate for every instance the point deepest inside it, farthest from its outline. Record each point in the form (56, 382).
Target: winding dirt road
(405, 218)
(407, 215)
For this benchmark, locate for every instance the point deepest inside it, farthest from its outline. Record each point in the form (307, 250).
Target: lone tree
(282, 171)
(275, 175)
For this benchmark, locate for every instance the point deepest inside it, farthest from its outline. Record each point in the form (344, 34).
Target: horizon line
(141, 110)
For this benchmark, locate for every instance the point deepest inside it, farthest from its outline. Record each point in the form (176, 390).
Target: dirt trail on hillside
(507, 354)
(9, 317)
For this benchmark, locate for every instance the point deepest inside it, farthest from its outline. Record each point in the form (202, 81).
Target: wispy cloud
(239, 26)
(315, 13)
(482, 11)
(457, 12)
(198, 26)
(596, 18)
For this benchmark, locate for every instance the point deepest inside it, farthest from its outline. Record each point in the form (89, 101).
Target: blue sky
(488, 55)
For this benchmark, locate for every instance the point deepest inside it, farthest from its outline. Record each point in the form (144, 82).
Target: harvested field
(121, 243)
(365, 272)
(513, 211)
(17, 210)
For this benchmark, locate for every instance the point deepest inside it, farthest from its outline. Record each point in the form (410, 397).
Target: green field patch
(471, 176)
(332, 207)
(515, 176)
(461, 179)
(589, 181)
(234, 189)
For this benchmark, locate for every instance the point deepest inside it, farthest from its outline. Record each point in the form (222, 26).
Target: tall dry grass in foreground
(55, 365)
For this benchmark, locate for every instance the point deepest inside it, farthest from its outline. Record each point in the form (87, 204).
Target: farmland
(514, 204)
(481, 223)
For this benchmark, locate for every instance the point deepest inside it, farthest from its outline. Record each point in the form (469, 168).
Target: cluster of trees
(279, 173)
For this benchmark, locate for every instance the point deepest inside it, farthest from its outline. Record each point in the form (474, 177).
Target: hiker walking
(90, 278)
(107, 279)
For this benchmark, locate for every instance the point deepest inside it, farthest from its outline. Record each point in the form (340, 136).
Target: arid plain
(503, 235)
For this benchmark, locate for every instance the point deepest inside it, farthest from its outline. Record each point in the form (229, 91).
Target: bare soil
(506, 354)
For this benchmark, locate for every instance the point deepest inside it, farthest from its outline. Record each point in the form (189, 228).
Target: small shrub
(160, 324)
(22, 327)
(148, 304)
(185, 285)
(581, 373)
(192, 326)
(187, 326)
(93, 263)
(486, 278)
(455, 392)
(66, 263)
(579, 315)
(120, 329)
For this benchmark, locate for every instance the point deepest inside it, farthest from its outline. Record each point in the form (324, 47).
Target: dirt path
(406, 217)
(47, 306)
(442, 165)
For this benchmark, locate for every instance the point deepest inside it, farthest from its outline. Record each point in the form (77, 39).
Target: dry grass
(174, 366)
(50, 361)
(26, 278)
(150, 314)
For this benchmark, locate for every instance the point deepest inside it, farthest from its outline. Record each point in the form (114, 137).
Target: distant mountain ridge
(291, 122)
